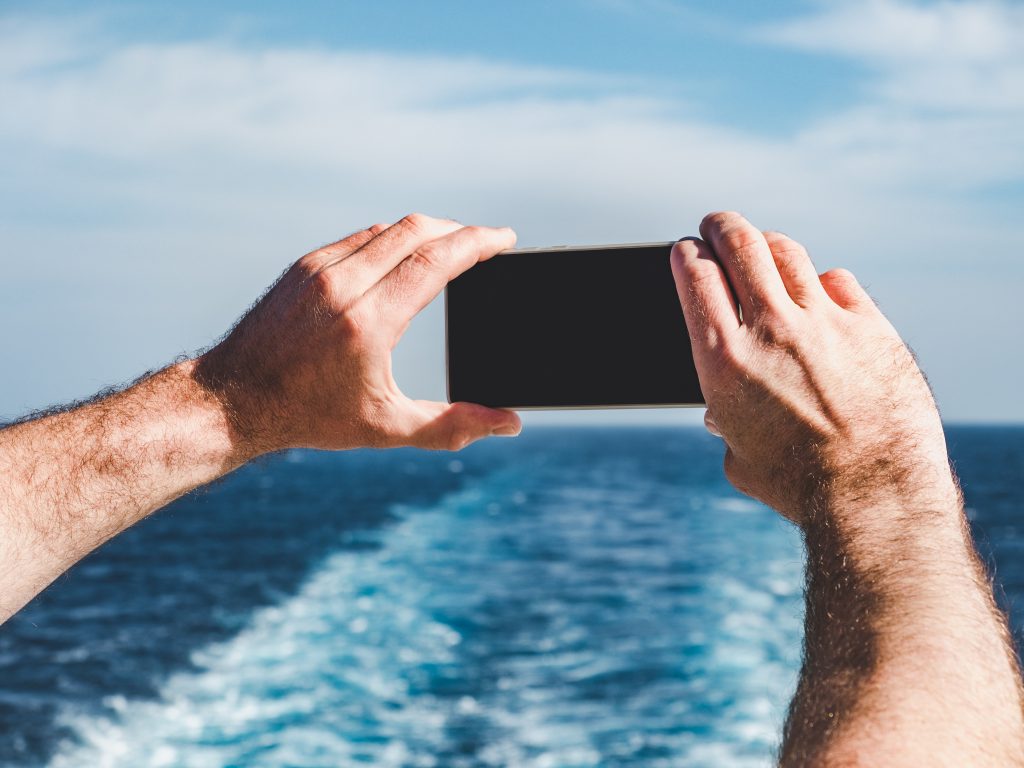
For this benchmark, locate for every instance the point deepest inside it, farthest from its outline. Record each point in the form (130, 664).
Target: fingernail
(509, 430)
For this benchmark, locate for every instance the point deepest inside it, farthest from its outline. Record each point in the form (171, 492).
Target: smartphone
(570, 327)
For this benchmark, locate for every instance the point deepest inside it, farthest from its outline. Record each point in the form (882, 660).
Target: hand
(809, 385)
(310, 364)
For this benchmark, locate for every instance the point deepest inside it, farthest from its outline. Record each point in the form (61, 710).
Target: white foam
(334, 674)
(304, 683)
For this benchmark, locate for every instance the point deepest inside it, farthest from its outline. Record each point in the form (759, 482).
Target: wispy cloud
(954, 32)
(948, 62)
(944, 104)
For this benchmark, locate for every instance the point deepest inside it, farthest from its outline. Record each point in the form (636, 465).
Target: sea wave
(517, 623)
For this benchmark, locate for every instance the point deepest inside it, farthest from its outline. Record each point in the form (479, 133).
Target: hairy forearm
(72, 480)
(308, 366)
(907, 659)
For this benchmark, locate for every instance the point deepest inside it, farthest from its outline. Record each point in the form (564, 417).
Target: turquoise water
(575, 597)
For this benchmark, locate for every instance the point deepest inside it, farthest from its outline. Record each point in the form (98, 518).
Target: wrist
(243, 413)
(906, 527)
(905, 487)
(205, 424)
(906, 472)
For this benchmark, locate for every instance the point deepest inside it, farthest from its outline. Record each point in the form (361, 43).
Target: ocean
(572, 597)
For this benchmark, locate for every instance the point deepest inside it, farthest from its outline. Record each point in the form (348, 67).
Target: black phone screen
(568, 327)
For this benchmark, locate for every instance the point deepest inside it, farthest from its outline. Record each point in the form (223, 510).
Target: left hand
(310, 364)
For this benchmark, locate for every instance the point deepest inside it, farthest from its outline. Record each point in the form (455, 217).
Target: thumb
(441, 426)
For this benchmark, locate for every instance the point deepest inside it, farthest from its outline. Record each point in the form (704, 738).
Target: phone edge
(606, 247)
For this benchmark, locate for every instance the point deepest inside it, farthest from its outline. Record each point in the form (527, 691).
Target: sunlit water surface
(575, 597)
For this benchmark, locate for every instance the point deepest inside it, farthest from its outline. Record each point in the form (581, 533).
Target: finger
(709, 306)
(710, 425)
(441, 426)
(744, 254)
(367, 265)
(795, 268)
(843, 288)
(329, 255)
(417, 280)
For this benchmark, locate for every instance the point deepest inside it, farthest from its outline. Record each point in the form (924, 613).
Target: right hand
(310, 364)
(811, 388)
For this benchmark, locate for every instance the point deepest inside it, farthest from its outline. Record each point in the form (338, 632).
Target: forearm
(907, 659)
(72, 480)
(308, 366)
(828, 419)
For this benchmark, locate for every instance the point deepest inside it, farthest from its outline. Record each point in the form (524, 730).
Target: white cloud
(945, 103)
(959, 56)
(151, 185)
(898, 30)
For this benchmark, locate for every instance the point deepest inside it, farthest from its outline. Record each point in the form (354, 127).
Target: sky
(161, 164)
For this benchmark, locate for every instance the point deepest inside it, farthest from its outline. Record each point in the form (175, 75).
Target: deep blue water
(574, 597)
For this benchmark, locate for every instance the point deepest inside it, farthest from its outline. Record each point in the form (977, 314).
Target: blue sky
(163, 163)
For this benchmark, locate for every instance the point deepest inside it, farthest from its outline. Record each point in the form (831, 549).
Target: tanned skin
(309, 365)
(827, 418)
(825, 415)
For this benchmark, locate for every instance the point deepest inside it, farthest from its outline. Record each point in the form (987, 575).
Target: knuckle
(686, 254)
(416, 222)
(308, 266)
(846, 291)
(350, 326)
(684, 249)
(477, 234)
(699, 279)
(427, 258)
(355, 325)
(321, 283)
(741, 239)
(778, 330)
(782, 245)
(457, 438)
(791, 252)
(839, 275)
